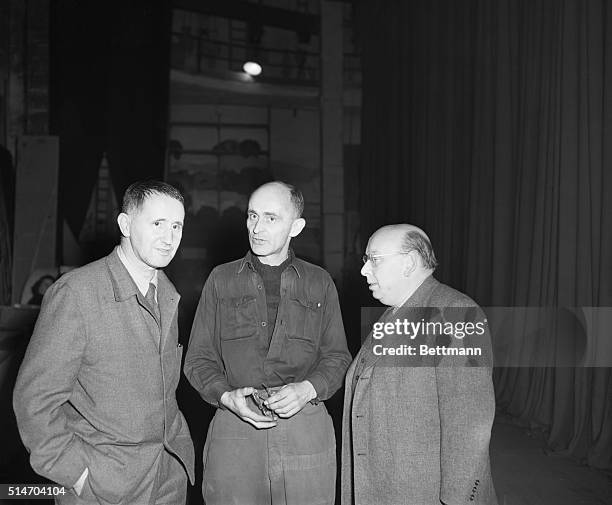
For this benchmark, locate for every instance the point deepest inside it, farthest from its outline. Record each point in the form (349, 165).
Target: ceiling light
(252, 68)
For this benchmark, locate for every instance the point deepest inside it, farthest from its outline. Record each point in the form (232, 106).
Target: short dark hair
(138, 192)
(297, 198)
(416, 241)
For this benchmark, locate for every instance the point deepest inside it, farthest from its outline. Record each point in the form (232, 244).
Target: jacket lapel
(124, 287)
(418, 299)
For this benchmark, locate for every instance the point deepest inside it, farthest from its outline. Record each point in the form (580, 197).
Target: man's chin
(378, 296)
(259, 250)
(161, 261)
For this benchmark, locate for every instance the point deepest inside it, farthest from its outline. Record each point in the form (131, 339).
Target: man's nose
(365, 269)
(167, 235)
(257, 226)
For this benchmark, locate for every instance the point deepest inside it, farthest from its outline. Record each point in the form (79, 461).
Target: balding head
(400, 258)
(407, 237)
(273, 219)
(281, 190)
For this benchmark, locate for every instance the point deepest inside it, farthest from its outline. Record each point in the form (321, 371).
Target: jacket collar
(422, 293)
(293, 263)
(124, 286)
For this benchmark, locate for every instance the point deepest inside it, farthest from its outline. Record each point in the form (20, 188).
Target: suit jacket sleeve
(44, 384)
(334, 357)
(467, 408)
(203, 364)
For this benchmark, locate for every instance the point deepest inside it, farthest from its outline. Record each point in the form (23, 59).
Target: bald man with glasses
(419, 401)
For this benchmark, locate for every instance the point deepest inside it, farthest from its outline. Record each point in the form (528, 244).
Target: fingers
(280, 403)
(289, 413)
(245, 391)
(247, 413)
(258, 420)
(280, 395)
(289, 410)
(286, 402)
(261, 425)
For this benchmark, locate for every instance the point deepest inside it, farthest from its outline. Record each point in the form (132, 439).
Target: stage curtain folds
(7, 198)
(489, 124)
(109, 87)
(5, 255)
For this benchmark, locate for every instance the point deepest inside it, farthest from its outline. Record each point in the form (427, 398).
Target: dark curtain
(109, 93)
(7, 211)
(489, 124)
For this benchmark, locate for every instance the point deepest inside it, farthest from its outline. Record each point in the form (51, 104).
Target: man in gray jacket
(419, 401)
(95, 396)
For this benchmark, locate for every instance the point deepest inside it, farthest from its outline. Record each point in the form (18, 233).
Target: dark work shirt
(229, 345)
(271, 276)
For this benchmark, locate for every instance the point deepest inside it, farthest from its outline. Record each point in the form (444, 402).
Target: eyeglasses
(375, 259)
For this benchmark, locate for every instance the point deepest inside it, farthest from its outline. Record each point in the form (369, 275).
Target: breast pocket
(304, 322)
(238, 317)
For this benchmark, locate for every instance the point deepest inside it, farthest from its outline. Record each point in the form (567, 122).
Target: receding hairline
(294, 195)
(139, 192)
(407, 237)
(401, 229)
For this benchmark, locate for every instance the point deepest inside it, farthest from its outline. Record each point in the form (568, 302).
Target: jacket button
(263, 323)
(259, 286)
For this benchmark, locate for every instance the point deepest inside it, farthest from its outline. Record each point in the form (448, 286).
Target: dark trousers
(293, 463)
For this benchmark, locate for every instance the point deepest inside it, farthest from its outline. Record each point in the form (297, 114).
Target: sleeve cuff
(320, 386)
(216, 391)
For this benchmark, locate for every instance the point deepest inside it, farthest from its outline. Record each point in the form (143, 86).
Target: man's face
(155, 230)
(271, 223)
(385, 275)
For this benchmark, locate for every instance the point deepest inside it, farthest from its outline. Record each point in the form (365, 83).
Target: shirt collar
(140, 278)
(248, 261)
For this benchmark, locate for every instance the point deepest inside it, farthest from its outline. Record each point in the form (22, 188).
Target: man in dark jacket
(269, 324)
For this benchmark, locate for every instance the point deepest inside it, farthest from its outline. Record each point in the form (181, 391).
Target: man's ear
(297, 227)
(411, 262)
(123, 220)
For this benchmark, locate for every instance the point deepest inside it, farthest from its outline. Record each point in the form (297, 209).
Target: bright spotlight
(252, 68)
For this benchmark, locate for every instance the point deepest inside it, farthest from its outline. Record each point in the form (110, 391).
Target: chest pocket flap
(304, 320)
(238, 317)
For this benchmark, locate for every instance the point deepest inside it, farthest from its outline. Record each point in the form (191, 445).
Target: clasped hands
(286, 402)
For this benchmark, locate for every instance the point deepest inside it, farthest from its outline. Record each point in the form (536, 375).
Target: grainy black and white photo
(306, 252)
